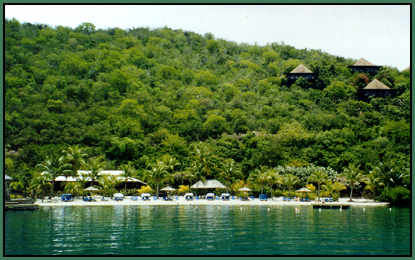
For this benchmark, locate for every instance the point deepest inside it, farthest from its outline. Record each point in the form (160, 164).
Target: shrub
(144, 189)
(396, 195)
(183, 189)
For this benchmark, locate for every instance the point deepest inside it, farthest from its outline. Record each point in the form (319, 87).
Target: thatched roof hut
(301, 69)
(375, 89)
(363, 62)
(208, 184)
(363, 65)
(376, 84)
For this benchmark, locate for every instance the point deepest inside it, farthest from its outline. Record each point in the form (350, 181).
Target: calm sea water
(202, 230)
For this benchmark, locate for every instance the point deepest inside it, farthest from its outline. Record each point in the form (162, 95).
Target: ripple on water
(169, 230)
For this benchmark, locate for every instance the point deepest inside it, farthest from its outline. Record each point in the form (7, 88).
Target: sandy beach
(181, 201)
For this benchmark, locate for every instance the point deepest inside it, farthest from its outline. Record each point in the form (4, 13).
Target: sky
(378, 33)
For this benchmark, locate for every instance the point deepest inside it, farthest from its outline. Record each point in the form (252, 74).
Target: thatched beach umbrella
(91, 188)
(245, 191)
(303, 190)
(168, 189)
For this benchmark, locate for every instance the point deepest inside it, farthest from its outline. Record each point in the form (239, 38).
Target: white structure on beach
(83, 176)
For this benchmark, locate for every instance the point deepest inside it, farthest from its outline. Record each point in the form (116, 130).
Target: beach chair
(225, 196)
(188, 196)
(210, 196)
(145, 196)
(263, 197)
(67, 197)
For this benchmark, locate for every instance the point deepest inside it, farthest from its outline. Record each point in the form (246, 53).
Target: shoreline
(183, 202)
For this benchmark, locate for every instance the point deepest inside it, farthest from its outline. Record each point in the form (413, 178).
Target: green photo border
(337, 2)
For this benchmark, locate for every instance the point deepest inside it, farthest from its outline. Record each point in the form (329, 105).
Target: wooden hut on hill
(300, 71)
(375, 89)
(365, 66)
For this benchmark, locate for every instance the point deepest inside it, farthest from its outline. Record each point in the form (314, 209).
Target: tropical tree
(352, 176)
(205, 164)
(230, 171)
(40, 185)
(108, 184)
(75, 188)
(261, 178)
(53, 167)
(318, 177)
(129, 171)
(95, 165)
(333, 189)
(159, 172)
(75, 156)
(373, 181)
(290, 181)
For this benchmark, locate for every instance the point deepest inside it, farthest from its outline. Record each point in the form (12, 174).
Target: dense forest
(172, 107)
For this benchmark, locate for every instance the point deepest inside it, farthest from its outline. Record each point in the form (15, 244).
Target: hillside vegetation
(202, 107)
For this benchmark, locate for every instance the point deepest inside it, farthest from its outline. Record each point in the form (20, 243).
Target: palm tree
(159, 172)
(372, 181)
(75, 188)
(40, 185)
(352, 176)
(333, 189)
(129, 171)
(75, 156)
(108, 184)
(318, 177)
(95, 165)
(290, 181)
(230, 171)
(53, 167)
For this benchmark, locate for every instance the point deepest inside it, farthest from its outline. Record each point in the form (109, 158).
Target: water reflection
(146, 230)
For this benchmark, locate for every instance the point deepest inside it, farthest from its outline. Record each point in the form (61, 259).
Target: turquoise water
(207, 230)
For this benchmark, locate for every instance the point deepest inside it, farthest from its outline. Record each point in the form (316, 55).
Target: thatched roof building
(208, 184)
(363, 62)
(301, 69)
(363, 65)
(376, 84)
(375, 89)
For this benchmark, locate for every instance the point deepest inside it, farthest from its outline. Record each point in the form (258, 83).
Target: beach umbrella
(303, 190)
(168, 188)
(92, 188)
(245, 189)
(118, 195)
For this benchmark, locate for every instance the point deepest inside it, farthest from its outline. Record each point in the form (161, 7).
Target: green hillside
(206, 107)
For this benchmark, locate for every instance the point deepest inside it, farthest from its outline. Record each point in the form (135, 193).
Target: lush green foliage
(220, 109)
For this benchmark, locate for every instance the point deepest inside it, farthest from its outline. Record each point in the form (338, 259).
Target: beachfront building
(301, 71)
(208, 186)
(84, 176)
(364, 66)
(375, 89)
